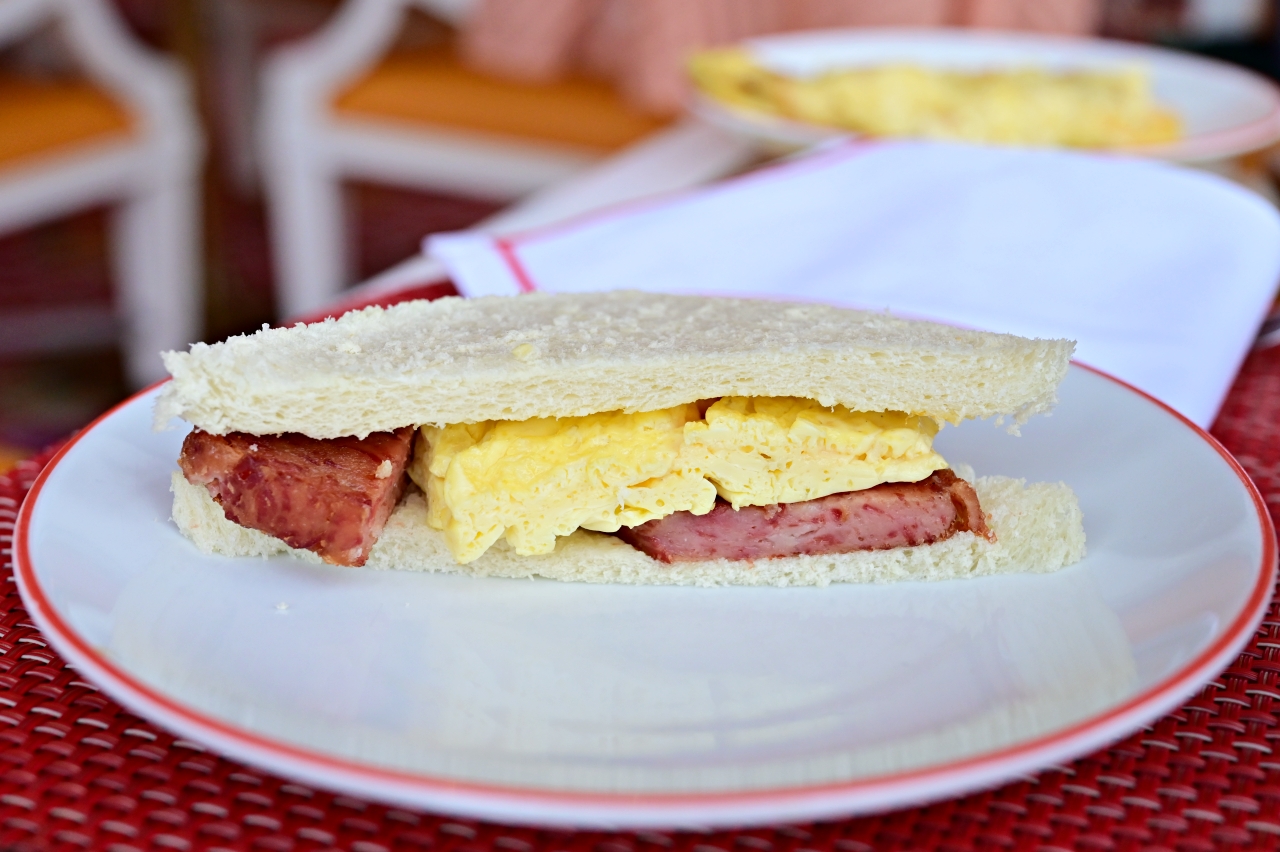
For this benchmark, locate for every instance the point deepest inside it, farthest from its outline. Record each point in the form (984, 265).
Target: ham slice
(332, 497)
(895, 514)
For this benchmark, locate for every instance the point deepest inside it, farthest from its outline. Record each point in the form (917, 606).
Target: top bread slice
(546, 355)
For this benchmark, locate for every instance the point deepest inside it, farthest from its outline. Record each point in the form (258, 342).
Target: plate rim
(1223, 144)
(577, 809)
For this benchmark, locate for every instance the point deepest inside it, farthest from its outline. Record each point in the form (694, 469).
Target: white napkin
(1161, 274)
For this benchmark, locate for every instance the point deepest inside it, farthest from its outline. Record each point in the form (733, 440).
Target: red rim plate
(578, 809)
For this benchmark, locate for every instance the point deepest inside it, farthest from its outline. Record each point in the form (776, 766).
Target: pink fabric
(667, 31)
(1076, 17)
(869, 13)
(643, 44)
(531, 40)
(608, 38)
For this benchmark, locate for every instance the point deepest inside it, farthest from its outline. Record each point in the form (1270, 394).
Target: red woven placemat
(79, 772)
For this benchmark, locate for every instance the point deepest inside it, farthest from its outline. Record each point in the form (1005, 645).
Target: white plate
(1226, 110)
(567, 704)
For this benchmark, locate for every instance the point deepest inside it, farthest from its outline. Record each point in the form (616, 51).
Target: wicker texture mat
(79, 772)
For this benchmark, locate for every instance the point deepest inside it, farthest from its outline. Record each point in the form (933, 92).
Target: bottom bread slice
(1038, 527)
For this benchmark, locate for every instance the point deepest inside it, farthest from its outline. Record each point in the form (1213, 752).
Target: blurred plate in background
(1226, 110)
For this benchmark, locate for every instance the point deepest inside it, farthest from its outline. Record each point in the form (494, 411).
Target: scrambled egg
(533, 480)
(1087, 109)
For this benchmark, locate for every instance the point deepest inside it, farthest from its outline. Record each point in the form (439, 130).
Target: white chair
(148, 171)
(310, 141)
(688, 154)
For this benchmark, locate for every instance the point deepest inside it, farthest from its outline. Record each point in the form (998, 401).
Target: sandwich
(616, 437)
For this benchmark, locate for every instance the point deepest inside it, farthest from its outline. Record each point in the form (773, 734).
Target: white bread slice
(1038, 529)
(545, 355)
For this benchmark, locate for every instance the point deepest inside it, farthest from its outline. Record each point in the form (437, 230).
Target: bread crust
(1038, 527)
(546, 355)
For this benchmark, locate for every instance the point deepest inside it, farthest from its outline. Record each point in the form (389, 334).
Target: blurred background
(520, 95)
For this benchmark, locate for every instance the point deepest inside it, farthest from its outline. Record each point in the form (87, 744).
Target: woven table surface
(79, 772)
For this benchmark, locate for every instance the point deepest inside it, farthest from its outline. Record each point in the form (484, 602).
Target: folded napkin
(1162, 274)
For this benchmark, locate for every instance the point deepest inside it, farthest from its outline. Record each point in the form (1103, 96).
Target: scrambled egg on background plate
(1085, 109)
(533, 480)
